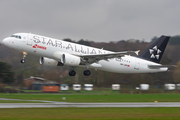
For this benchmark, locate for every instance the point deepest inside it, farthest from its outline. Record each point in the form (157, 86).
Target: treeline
(174, 40)
(98, 78)
(6, 74)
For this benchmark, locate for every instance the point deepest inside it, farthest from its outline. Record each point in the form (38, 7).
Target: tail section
(155, 51)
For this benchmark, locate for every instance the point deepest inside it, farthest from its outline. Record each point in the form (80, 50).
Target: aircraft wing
(93, 58)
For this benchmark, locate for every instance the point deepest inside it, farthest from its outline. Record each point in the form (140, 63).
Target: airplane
(54, 52)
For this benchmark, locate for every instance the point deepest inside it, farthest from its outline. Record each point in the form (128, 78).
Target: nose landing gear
(24, 57)
(23, 61)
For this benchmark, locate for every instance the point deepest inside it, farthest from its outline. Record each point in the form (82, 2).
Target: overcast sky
(94, 20)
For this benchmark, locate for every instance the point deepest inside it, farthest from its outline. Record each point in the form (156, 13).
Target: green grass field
(96, 97)
(90, 114)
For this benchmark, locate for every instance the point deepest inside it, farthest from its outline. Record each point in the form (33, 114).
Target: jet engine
(58, 56)
(71, 60)
(66, 58)
(49, 62)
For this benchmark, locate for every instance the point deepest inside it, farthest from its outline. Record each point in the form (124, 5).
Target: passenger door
(29, 40)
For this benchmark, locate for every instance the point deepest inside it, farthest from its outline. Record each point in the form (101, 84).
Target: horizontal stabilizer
(161, 66)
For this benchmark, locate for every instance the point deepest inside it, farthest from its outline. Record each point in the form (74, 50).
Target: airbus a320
(54, 52)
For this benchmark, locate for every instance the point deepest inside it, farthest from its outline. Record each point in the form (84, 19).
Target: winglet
(133, 52)
(137, 52)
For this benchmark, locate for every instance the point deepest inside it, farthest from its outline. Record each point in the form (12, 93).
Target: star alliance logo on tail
(155, 52)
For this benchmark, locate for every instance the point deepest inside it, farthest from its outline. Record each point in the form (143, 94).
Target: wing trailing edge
(94, 58)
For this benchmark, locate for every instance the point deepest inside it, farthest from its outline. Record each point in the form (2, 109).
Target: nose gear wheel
(24, 57)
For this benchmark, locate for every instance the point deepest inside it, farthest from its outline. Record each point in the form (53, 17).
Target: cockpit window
(16, 36)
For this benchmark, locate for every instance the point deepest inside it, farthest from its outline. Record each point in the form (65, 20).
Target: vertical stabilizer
(155, 51)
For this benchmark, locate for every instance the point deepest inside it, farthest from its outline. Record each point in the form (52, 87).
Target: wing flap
(112, 55)
(93, 58)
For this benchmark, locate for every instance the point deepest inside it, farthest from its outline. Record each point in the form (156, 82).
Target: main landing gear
(86, 73)
(24, 57)
(72, 73)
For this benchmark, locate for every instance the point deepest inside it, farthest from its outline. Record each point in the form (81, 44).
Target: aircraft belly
(127, 67)
(116, 66)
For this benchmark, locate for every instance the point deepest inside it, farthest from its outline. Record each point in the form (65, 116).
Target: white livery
(54, 52)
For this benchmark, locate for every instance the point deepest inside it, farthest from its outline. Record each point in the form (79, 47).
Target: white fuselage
(46, 47)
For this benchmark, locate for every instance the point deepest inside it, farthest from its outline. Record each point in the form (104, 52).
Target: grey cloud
(98, 20)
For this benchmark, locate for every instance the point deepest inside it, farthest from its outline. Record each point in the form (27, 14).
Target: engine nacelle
(71, 60)
(58, 56)
(49, 62)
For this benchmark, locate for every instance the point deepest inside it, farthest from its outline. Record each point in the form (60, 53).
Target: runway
(51, 104)
(88, 105)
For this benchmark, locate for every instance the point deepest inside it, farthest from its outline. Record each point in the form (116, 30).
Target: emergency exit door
(137, 64)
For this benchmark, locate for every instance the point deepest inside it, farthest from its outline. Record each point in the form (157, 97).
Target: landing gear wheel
(23, 61)
(24, 56)
(87, 72)
(72, 73)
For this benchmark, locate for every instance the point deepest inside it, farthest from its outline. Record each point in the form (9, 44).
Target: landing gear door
(29, 40)
(137, 64)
